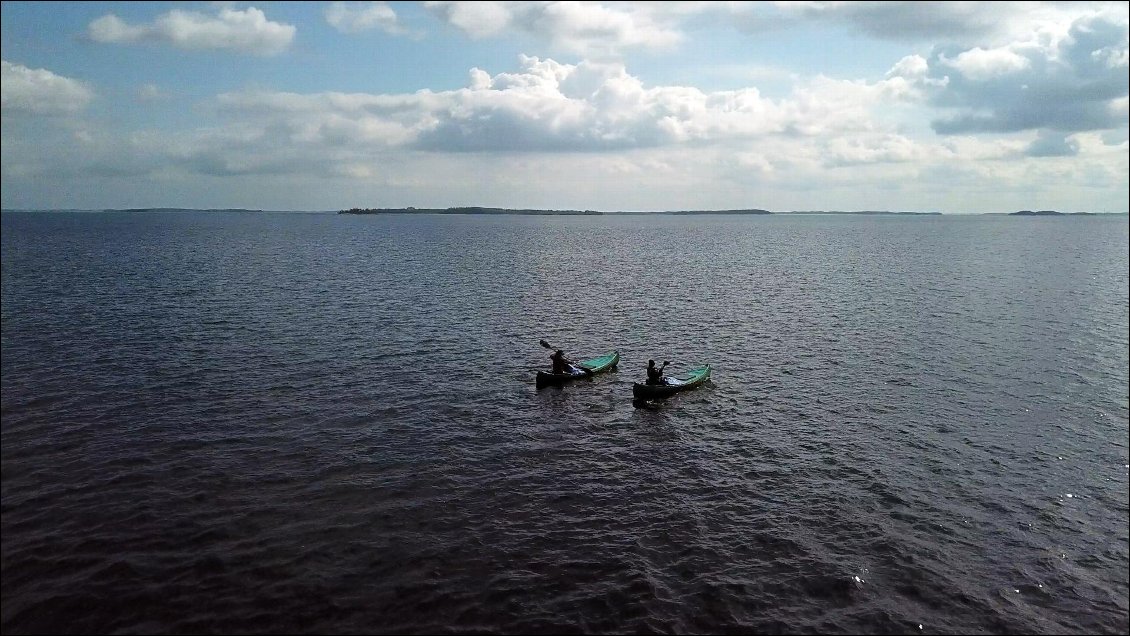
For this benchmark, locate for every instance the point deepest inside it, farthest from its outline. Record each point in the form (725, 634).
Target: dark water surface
(248, 423)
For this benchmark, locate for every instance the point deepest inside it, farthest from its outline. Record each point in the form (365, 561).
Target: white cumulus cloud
(40, 91)
(247, 31)
(547, 106)
(979, 64)
(589, 29)
(477, 19)
(353, 17)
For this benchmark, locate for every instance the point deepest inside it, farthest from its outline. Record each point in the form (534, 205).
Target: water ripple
(310, 423)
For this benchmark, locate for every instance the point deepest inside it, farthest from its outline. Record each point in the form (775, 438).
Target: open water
(281, 423)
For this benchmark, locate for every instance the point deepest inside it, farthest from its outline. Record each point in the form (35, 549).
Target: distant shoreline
(537, 212)
(1048, 213)
(540, 212)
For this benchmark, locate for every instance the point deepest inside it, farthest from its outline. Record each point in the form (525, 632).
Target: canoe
(588, 368)
(671, 386)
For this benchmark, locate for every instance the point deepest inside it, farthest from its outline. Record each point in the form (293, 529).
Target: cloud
(981, 65)
(479, 20)
(247, 31)
(1068, 82)
(596, 112)
(590, 122)
(596, 121)
(961, 22)
(546, 106)
(592, 30)
(358, 17)
(40, 92)
(965, 24)
(908, 20)
(872, 148)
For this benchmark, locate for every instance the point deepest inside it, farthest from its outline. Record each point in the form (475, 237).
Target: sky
(952, 107)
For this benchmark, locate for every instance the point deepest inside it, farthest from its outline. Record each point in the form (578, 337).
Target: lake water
(272, 422)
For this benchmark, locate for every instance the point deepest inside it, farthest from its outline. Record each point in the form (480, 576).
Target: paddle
(549, 346)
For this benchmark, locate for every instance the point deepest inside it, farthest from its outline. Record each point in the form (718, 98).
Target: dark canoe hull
(594, 366)
(694, 379)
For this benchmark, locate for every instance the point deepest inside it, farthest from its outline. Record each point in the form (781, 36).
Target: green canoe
(671, 386)
(587, 368)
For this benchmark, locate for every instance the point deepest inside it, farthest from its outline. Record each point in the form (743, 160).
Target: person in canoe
(561, 364)
(654, 373)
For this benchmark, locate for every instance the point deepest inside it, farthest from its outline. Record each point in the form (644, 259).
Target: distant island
(463, 210)
(1048, 213)
(482, 210)
(863, 212)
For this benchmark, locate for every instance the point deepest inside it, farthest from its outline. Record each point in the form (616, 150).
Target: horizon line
(484, 210)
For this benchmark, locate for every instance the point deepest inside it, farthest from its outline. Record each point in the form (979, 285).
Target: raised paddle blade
(545, 344)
